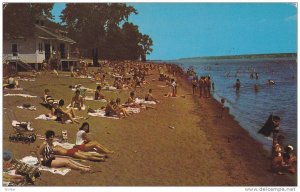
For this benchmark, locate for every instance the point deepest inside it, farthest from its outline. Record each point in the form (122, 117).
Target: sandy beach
(181, 142)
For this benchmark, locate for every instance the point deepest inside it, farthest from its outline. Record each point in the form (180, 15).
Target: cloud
(291, 18)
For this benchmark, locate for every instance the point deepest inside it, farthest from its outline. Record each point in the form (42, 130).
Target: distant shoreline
(248, 56)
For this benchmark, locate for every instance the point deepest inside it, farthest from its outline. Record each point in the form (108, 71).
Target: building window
(40, 47)
(14, 49)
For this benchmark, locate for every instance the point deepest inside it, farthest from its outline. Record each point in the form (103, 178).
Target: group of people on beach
(283, 158)
(204, 84)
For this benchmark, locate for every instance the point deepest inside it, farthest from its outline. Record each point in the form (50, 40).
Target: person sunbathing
(84, 143)
(121, 111)
(11, 83)
(47, 99)
(110, 111)
(77, 100)
(149, 96)
(98, 94)
(131, 101)
(76, 153)
(62, 115)
(46, 150)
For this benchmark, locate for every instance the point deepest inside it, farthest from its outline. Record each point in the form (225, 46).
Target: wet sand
(201, 150)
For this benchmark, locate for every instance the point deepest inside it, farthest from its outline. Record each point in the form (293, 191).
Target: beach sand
(200, 150)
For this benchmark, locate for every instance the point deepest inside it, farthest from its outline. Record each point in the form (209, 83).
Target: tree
(145, 44)
(88, 24)
(19, 18)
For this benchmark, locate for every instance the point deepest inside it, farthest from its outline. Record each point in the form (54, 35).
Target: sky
(184, 30)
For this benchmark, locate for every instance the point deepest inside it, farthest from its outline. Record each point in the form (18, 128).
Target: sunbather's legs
(64, 162)
(94, 144)
(87, 156)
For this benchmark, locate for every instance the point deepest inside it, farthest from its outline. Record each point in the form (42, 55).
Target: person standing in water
(237, 85)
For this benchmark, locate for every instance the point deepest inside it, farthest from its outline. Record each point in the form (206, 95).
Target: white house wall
(26, 50)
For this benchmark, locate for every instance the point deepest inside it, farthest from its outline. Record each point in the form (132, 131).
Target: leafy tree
(19, 18)
(145, 44)
(89, 23)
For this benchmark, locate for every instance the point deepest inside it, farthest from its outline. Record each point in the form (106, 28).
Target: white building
(44, 44)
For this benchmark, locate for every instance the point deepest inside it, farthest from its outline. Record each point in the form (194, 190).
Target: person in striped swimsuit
(49, 160)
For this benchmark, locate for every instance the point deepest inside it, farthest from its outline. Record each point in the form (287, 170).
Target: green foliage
(19, 18)
(105, 26)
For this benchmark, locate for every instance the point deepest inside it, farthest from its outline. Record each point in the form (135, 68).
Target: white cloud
(291, 18)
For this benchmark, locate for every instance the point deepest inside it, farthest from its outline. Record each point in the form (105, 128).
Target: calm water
(251, 109)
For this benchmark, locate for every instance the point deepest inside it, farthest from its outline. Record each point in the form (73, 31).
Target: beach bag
(30, 172)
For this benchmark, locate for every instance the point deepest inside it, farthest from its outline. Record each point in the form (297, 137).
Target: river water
(249, 107)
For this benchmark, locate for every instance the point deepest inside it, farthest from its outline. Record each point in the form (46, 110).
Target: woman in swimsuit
(77, 100)
(49, 160)
(62, 115)
(84, 143)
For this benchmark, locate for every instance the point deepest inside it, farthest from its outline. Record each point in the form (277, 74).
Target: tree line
(101, 30)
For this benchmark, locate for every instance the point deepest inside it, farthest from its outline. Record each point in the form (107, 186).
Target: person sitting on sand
(12, 83)
(77, 100)
(61, 115)
(109, 110)
(46, 150)
(84, 143)
(149, 96)
(278, 145)
(121, 111)
(131, 101)
(98, 94)
(290, 159)
(47, 99)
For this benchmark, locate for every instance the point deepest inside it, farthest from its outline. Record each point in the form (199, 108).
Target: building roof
(54, 34)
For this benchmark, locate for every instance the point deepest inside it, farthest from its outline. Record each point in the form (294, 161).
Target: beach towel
(142, 101)
(30, 160)
(25, 79)
(109, 88)
(47, 118)
(84, 77)
(91, 98)
(21, 95)
(101, 113)
(161, 86)
(133, 109)
(69, 106)
(14, 89)
(31, 108)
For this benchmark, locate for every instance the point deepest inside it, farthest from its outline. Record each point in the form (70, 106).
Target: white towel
(44, 117)
(133, 110)
(109, 88)
(25, 79)
(31, 108)
(91, 98)
(21, 95)
(30, 160)
(14, 89)
(101, 113)
(142, 101)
